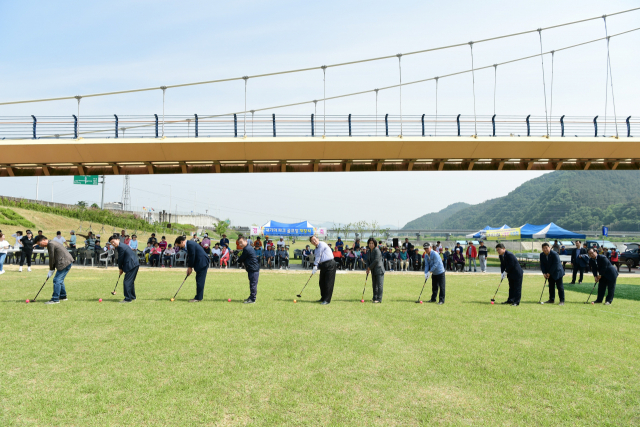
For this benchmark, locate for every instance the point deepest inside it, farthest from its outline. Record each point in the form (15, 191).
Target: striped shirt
(322, 253)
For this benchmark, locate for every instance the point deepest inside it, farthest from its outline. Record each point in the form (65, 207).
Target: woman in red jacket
(472, 254)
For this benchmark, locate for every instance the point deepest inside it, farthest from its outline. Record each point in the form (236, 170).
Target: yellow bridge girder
(312, 154)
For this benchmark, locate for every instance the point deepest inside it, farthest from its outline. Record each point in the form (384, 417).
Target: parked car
(631, 257)
(597, 243)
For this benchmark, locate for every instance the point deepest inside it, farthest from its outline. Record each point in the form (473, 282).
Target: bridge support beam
(149, 167)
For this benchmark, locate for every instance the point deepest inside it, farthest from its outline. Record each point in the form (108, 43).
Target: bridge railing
(270, 125)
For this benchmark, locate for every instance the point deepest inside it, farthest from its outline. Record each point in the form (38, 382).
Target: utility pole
(102, 201)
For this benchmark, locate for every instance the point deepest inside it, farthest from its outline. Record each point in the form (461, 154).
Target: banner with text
(504, 234)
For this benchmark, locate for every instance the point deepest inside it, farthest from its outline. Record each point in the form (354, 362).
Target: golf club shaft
(543, 286)
(305, 285)
(494, 295)
(425, 282)
(594, 286)
(365, 285)
(185, 279)
(114, 289)
(45, 282)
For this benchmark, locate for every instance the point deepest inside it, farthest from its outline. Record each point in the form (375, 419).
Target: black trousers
(128, 284)
(201, 277)
(577, 268)
(25, 255)
(253, 284)
(438, 282)
(515, 289)
(327, 279)
(606, 285)
(552, 289)
(377, 283)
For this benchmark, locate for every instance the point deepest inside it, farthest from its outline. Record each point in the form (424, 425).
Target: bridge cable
(473, 77)
(400, 69)
(314, 68)
(544, 85)
(609, 73)
(376, 112)
(246, 78)
(164, 89)
(78, 97)
(495, 84)
(383, 88)
(551, 103)
(435, 128)
(324, 100)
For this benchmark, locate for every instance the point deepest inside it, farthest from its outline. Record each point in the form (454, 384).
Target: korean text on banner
(504, 234)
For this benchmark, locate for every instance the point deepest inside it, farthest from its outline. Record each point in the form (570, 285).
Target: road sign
(605, 231)
(86, 179)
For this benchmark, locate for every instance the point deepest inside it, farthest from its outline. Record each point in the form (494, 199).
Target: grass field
(153, 362)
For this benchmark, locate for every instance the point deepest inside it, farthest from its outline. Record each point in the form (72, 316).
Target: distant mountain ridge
(432, 221)
(572, 199)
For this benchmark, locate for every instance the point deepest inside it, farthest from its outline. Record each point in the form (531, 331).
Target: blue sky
(68, 48)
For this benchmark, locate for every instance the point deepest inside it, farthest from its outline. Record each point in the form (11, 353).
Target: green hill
(432, 220)
(572, 199)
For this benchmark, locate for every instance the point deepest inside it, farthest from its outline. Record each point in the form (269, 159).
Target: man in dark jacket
(197, 260)
(128, 264)
(578, 262)
(510, 267)
(375, 265)
(605, 274)
(552, 270)
(59, 259)
(252, 265)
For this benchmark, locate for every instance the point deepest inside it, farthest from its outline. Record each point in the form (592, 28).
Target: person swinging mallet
(433, 265)
(510, 267)
(324, 261)
(129, 265)
(59, 259)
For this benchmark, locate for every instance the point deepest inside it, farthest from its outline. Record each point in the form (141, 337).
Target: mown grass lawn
(154, 362)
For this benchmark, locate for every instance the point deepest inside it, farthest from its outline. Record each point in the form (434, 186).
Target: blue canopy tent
(273, 228)
(552, 231)
(482, 233)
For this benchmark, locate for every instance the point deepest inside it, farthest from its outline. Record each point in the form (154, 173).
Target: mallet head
(113, 293)
(299, 296)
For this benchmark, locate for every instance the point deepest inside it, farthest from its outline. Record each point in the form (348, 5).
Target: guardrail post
(156, 116)
(423, 125)
(196, 124)
(34, 125)
(349, 124)
(458, 121)
(312, 125)
(386, 124)
(273, 118)
(75, 127)
(235, 125)
(595, 125)
(116, 124)
(562, 125)
(628, 127)
(528, 126)
(493, 124)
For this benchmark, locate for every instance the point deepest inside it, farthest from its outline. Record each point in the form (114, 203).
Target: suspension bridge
(262, 140)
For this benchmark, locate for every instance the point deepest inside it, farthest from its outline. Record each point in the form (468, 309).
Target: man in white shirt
(216, 253)
(60, 239)
(324, 260)
(281, 243)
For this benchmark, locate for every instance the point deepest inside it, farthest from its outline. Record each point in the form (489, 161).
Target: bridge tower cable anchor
(609, 78)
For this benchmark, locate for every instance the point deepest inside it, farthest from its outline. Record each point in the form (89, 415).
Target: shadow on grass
(630, 292)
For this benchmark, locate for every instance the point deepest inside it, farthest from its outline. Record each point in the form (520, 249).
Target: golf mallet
(45, 282)
(425, 282)
(114, 289)
(594, 286)
(185, 279)
(365, 287)
(494, 295)
(543, 286)
(305, 285)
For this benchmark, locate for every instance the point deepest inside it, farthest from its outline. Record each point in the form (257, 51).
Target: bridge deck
(312, 154)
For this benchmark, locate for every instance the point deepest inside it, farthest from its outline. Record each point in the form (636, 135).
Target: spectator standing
(472, 254)
(483, 254)
(72, 240)
(152, 239)
(340, 245)
(280, 243)
(556, 246)
(258, 243)
(224, 241)
(356, 245)
(406, 244)
(4, 245)
(447, 259)
(375, 266)
(59, 239)
(27, 250)
(240, 236)
(578, 262)
(614, 259)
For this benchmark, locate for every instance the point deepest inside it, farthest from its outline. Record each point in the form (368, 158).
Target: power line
(163, 88)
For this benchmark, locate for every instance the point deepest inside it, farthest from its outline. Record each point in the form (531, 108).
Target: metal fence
(272, 125)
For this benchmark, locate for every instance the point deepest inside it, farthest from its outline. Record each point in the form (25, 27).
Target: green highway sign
(86, 179)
